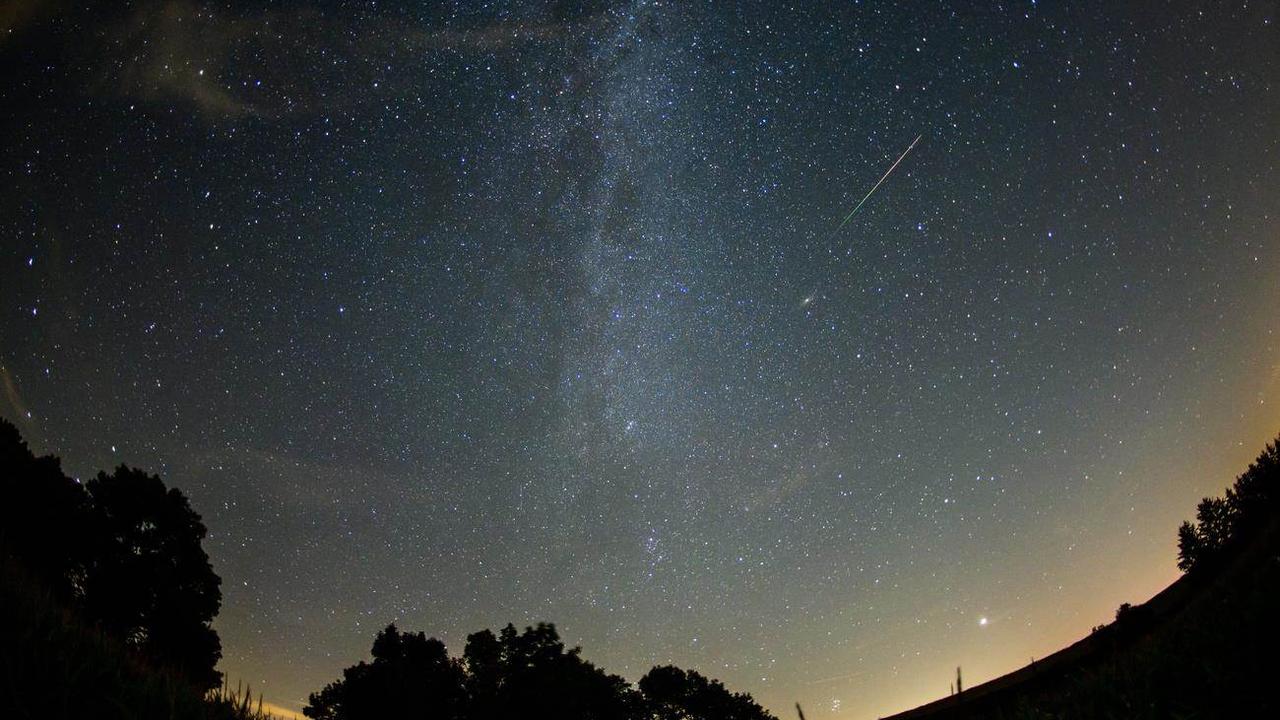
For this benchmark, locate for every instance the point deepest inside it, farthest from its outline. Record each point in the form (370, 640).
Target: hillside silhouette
(1204, 647)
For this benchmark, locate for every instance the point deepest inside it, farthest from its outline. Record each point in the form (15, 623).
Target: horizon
(653, 321)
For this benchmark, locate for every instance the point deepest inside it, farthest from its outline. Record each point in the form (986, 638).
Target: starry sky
(456, 314)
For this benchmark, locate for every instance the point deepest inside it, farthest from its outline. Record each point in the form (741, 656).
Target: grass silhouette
(54, 667)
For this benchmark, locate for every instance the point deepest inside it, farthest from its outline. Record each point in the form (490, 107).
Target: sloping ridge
(1187, 595)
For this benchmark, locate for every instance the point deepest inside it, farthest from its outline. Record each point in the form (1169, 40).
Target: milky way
(454, 316)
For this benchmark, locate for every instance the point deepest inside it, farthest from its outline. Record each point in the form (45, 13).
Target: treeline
(108, 599)
(121, 553)
(513, 674)
(1224, 524)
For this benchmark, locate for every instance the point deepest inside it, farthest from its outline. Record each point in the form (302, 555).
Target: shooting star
(880, 182)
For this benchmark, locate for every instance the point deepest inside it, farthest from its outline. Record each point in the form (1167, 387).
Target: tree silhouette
(1207, 536)
(1190, 547)
(151, 583)
(1248, 505)
(124, 550)
(44, 516)
(483, 659)
(538, 678)
(676, 694)
(528, 675)
(410, 676)
(1255, 497)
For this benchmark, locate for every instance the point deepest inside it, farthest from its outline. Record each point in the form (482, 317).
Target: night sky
(453, 315)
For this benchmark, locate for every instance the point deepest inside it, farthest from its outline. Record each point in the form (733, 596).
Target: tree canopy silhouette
(123, 549)
(45, 516)
(1223, 522)
(410, 676)
(151, 582)
(514, 674)
(676, 694)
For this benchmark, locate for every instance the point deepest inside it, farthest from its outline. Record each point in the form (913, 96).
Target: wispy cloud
(176, 52)
(13, 400)
(273, 63)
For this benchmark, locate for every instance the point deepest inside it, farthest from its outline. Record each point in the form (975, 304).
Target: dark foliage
(514, 674)
(150, 581)
(410, 676)
(54, 666)
(1235, 518)
(676, 694)
(124, 552)
(44, 517)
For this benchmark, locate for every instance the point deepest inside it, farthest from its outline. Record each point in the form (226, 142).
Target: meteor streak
(880, 182)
